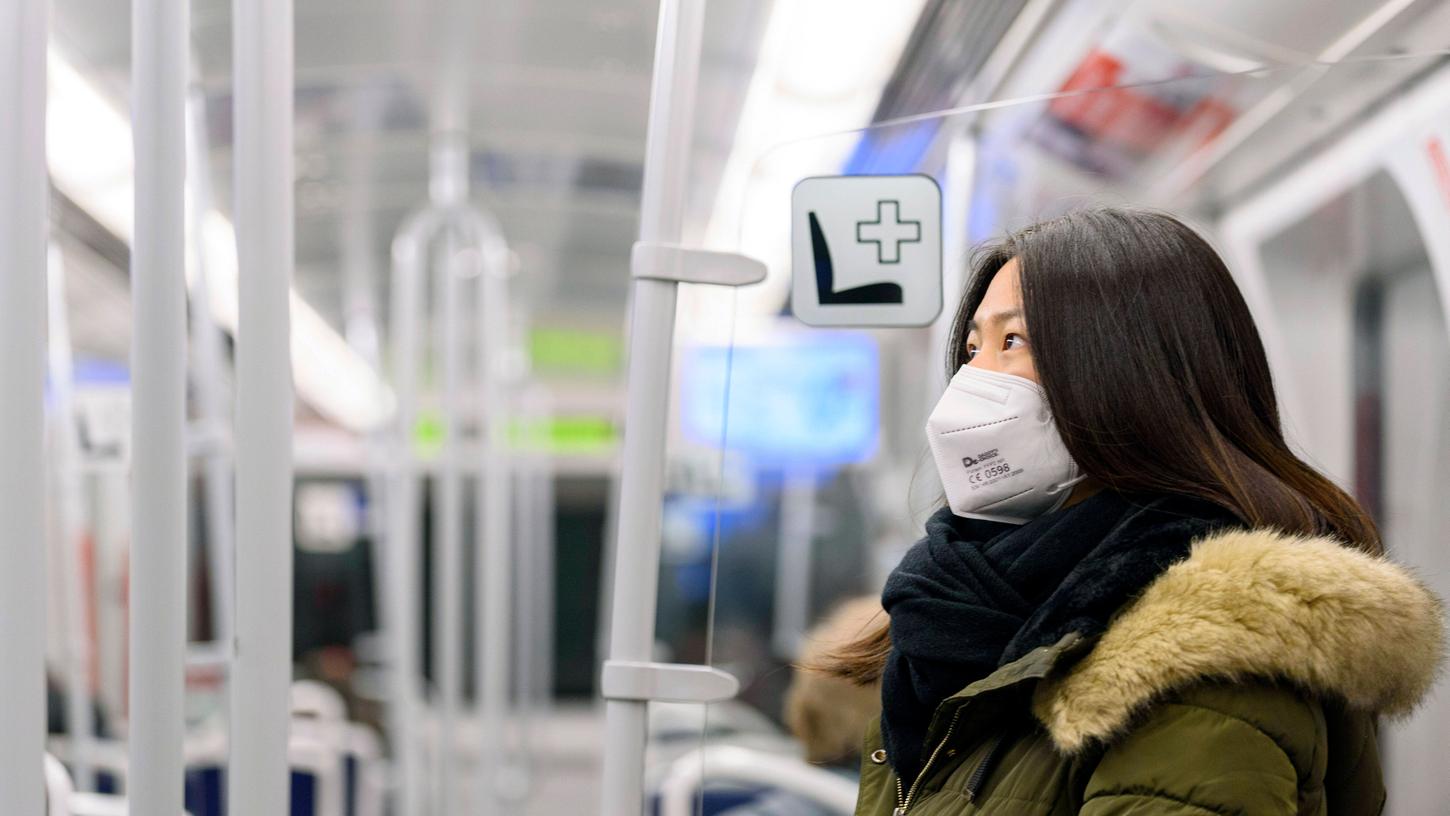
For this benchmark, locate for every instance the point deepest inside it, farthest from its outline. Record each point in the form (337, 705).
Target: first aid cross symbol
(888, 232)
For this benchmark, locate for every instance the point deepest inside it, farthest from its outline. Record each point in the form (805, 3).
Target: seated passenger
(1137, 599)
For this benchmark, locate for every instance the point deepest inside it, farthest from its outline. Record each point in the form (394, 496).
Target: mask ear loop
(1062, 492)
(1073, 482)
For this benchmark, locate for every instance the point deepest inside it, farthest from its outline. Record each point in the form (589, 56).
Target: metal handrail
(687, 774)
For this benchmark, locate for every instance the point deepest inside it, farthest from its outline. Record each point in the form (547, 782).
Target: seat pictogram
(866, 250)
(826, 277)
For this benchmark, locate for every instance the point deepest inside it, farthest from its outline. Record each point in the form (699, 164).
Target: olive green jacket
(1246, 679)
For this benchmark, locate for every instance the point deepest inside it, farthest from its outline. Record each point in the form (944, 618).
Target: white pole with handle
(630, 680)
(651, 339)
(652, 323)
(158, 418)
(22, 378)
(257, 778)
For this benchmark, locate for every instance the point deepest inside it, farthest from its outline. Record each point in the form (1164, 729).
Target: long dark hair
(1155, 375)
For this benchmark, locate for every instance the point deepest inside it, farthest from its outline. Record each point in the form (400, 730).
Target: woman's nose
(985, 362)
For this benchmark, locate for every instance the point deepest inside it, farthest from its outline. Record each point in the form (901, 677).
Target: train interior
(468, 193)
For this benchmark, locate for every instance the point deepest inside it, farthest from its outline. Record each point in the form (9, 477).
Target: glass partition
(823, 478)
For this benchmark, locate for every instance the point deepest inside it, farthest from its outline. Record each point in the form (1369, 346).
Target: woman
(1138, 600)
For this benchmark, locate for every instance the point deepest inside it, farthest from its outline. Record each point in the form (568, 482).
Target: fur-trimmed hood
(827, 713)
(1305, 610)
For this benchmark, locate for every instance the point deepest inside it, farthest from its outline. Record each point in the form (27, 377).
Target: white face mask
(998, 452)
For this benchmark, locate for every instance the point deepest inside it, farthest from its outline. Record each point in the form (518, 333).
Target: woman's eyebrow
(996, 317)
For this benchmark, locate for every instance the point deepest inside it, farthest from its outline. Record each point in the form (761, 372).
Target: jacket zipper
(974, 783)
(903, 800)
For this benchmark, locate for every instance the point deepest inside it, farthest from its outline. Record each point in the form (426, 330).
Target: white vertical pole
(401, 620)
(447, 217)
(208, 363)
(79, 714)
(793, 562)
(493, 573)
(158, 418)
(542, 515)
(448, 188)
(526, 642)
(257, 779)
(360, 321)
(448, 530)
(534, 566)
(22, 377)
(636, 567)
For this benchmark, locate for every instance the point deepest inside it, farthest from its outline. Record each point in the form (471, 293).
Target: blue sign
(809, 403)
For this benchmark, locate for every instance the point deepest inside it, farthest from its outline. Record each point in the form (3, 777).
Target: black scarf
(975, 595)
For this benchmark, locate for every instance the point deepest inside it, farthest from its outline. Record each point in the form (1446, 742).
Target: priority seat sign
(866, 250)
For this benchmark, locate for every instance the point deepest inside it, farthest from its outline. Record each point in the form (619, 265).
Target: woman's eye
(1013, 341)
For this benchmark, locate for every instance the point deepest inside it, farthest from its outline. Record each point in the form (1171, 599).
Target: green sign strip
(558, 435)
